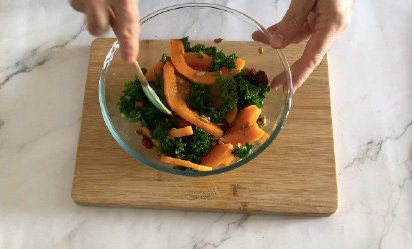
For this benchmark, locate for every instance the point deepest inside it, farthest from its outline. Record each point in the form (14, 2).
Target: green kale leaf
(132, 93)
(164, 58)
(200, 101)
(220, 59)
(159, 89)
(241, 151)
(147, 113)
(161, 130)
(228, 93)
(190, 148)
(249, 93)
(186, 43)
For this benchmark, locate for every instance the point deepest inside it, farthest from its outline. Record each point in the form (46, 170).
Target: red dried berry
(172, 119)
(261, 77)
(181, 123)
(139, 104)
(146, 141)
(251, 72)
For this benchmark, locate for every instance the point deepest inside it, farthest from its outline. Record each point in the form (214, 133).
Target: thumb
(291, 23)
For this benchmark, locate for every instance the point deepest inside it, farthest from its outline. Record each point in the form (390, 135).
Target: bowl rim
(137, 156)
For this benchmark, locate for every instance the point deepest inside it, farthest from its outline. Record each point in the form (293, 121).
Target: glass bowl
(204, 23)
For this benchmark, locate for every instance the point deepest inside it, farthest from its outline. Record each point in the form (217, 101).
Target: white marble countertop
(44, 54)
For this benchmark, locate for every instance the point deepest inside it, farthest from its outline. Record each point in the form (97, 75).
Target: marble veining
(226, 235)
(45, 50)
(372, 149)
(35, 58)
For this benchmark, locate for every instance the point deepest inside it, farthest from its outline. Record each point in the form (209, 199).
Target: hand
(320, 21)
(121, 15)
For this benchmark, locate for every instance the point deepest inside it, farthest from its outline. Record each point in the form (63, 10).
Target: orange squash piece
(144, 131)
(202, 77)
(228, 160)
(184, 87)
(185, 163)
(154, 71)
(198, 61)
(245, 135)
(178, 105)
(264, 138)
(239, 66)
(231, 115)
(181, 132)
(245, 118)
(202, 62)
(217, 155)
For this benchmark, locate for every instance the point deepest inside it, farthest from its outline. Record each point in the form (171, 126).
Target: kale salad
(216, 104)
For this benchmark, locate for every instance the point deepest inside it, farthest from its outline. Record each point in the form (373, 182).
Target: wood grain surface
(295, 175)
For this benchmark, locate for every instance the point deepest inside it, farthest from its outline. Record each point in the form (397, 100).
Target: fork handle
(140, 74)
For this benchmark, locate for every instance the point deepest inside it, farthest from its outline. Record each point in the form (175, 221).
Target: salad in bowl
(216, 103)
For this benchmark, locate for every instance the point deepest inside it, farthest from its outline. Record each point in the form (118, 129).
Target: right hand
(125, 24)
(320, 21)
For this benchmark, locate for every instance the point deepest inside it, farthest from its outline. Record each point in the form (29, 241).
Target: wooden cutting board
(296, 175)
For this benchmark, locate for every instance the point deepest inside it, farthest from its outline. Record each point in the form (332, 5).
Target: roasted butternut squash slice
(198, 61)
(185, 163)
(245, 118)
(197, 76)
(154, 71)
(179, 106)
(181, 132)
(244, 135)
(217, 155)
(228, 160)
(231, 115)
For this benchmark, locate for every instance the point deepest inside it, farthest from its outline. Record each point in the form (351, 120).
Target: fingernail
(278, 39)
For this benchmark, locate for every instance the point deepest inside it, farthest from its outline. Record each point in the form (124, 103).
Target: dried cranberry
(146, 141)
(251, 73)
(172, 119)
(181, 123)
(261, 77)
(139, 104)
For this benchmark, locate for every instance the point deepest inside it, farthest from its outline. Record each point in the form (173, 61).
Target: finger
(292, 22)
(302, 37)
(311, 20)
(307, 28)
(304, 33)
(77, 5)
(314, 52)
(126, 28)
(279, 81)
(259, 36)
(97, 17)
(273, 28)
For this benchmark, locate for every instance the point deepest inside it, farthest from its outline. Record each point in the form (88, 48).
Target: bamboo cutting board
(296, 175)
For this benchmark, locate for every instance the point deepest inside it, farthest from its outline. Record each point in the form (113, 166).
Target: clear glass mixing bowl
(204, 23)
